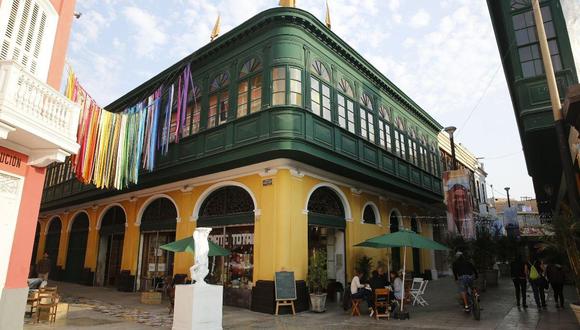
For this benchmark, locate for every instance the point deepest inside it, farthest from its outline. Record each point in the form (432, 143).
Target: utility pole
(507, 190)
(557, 112)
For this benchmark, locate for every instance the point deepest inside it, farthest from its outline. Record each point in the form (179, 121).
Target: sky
(442, 54)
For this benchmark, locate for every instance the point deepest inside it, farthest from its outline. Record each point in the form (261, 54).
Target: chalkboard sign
(285, 286)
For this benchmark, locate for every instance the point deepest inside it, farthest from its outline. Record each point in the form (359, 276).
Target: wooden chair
(382, 302)
(47, 301)
(355, 306)
(48, 289)
(32, 301)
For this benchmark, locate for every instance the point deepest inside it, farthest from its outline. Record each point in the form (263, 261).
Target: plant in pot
(317, 280)
(364, 264)
(567, 238)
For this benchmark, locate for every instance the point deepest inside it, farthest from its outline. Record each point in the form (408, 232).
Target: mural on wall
(458, 200)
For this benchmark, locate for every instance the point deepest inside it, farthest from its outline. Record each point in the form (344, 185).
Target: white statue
(200, 268)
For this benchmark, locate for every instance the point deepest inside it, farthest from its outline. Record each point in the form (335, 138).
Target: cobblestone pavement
(102, 308)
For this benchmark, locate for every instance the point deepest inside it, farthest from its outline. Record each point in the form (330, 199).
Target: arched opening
(158, 224)
(416, 252)
(229, 211)
(35, 247)
(326, 230)
(52, 244)
(111, 237)
(395, 252)
(370, 215)
(77, 248)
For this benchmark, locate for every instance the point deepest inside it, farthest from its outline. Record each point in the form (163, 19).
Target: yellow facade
(280, 226)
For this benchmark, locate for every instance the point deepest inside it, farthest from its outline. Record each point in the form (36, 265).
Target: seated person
(383, 276)
(34, 283)
(397, 287)
(360, 291)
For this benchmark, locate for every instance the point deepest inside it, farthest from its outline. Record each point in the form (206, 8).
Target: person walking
(43, 267)
(537, 280)
(518, 272)
(555, 275)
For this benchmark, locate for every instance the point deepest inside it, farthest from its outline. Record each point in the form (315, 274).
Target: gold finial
(288, 3)
(327, 15)
(216, 29)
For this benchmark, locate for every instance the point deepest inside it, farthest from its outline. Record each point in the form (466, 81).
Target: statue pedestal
(198, 307)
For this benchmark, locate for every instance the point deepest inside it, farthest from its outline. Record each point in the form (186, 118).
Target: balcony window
(250, 88)
(279, 87)
(385, 139)
(527, 42)
(320, 90)
(193, 112)
(367, 123)
(218, 100)
(345, 106)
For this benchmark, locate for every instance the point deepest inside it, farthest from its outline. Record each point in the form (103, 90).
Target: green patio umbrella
(188, 245)
(403, 238)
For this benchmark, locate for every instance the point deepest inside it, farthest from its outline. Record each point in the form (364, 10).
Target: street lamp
(450, 130)
(507, 190)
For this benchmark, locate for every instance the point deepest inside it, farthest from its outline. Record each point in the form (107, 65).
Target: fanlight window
(519, 4)
(226, 201)
(220, 81)
(366, 101)
(369, 215)
(251, 66)
(345, 87)
(320, 70)
(400, 124)
(385, 113)
(325, 201)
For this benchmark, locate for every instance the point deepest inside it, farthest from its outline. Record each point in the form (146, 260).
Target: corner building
(292, 142)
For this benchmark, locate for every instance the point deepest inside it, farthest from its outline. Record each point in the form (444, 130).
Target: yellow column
(185, 227)
(41, 241)
(63, 242)
(92, 240)
(352, 231)
(129, 260)
(298, 226)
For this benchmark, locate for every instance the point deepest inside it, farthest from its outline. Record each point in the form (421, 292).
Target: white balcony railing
(38, 116)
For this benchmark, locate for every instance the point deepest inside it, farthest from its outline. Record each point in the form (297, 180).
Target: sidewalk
(103, 308)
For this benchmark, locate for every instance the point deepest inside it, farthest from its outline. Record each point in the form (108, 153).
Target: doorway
(77, 248)
(416, 252)
(52, 245)
(395, 252)
(110, 253)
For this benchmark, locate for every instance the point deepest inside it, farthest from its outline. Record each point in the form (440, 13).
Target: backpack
(534, 275)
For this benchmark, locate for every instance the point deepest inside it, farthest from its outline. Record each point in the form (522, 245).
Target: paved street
(101, 308)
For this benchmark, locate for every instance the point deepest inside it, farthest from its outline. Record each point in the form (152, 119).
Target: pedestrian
(43, 267)
(538, 282)
(464, 273)
(518, 273)
(555, 275)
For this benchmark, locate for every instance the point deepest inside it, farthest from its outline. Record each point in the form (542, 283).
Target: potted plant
(364, 264)
(317, 280)
(567, 238)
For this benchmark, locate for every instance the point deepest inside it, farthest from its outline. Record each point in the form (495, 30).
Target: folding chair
(415, 289)
(418, 296)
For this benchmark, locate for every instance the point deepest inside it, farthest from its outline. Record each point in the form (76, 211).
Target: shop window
(250, 88)
(218, 100)
(527, 42)
(367, 124)
(369, 215)
(345, 106)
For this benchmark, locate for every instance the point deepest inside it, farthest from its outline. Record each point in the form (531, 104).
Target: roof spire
(327, 15)
(288, 3)
(216, 29)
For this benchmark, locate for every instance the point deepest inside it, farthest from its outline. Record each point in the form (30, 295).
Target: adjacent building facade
(292, 142)
(37, 127)
(517, 41)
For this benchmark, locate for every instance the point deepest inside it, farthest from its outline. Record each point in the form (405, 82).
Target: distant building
(37, 127)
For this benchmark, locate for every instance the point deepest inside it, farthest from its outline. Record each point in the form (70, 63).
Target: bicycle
(473, 300)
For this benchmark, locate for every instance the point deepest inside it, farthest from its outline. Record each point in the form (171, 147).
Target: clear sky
(442, 54)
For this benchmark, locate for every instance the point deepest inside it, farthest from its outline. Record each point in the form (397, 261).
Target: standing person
(555, 275)
(43, 267)
(518, 272)
(361, 291)
(536, 277)
(464, 273)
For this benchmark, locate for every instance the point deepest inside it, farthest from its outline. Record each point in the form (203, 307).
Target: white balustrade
(25, 94)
